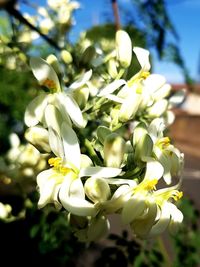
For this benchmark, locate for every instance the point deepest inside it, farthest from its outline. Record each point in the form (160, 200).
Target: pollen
(49, 84)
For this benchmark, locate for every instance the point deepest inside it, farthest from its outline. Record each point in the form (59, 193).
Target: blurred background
(170, 30)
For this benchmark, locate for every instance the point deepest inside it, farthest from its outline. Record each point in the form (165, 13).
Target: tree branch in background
(9, 6)
(116, 14)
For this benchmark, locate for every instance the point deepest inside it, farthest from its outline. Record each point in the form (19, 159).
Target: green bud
(144, 147)
(81, 96)
(88, 55)
(114, 148)
(112, 68)
(97, 189)
(102, 133)
(124, 48)
(98, 228)
(139, 131)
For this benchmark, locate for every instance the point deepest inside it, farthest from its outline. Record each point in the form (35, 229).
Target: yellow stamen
(150, 185)
(145, 74)
(147, 185)
(56, 163)
(163, 142)
(178, 195)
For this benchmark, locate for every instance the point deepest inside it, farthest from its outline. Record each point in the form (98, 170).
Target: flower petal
(133, 208)
(81, 81)
(56, 143)
(35, 110)
(71, 146)
(67, 105)
(75, 205)
(45, 74)
(100, 172)
(53, 118)
(109, 89)
(143, 58)
(154, 169)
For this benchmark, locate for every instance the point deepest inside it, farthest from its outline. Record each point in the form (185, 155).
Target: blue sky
(185, 15)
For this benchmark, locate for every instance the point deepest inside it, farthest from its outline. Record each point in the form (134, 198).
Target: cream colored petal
(35, 110)
(133, 209)
(163, 222)
(74, 205)
(143, 58)
(55, 143)
(77, 189)
(68, 107)
(71, 146)
(81, 81)
(123, 48)
(154, 169)
(112, 87)
(53, 118)
(45, 74)
(100, 172)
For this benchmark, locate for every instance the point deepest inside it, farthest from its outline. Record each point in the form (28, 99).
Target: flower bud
(81, 96)
(66, 56)
(53, 61)
(88, 55)
(97, 189)
(158, 108)
(38, 137)
(102, 133)
(98, 228)
(144, 147)
(112, 68)
(114, 148)
(124, 48)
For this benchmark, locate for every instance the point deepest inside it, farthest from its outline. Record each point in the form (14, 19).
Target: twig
(116, 14)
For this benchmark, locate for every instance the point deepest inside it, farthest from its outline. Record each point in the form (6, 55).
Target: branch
(14, 12)
(116, 14)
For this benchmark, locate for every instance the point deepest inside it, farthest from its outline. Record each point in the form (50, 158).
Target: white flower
(62, 102)
(142, 92)
(62, 184)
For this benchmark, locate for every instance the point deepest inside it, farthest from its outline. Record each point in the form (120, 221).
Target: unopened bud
(81, 96)
(97, 189)
(38, 137)
(114, 148)
(53, 61)
(124, 48)
(66, 56)
(88, 55)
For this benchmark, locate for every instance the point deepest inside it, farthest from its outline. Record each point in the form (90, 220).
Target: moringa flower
(62, 184)
(61, 100)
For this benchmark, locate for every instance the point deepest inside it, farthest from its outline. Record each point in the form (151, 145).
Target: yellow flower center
(57, 165)
(145, 74)
(146, 185)
(163, 142)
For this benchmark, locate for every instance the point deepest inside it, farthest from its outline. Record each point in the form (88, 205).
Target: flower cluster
(107, 148)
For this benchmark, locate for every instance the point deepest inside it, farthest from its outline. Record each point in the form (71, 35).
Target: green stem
(164, 252)
(91, 151)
